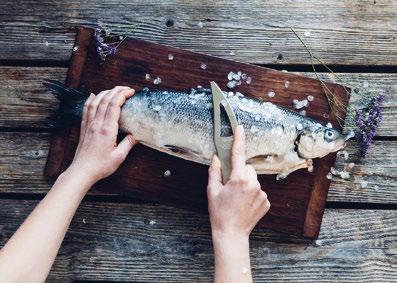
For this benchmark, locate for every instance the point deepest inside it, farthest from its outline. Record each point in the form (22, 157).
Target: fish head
(319, 141)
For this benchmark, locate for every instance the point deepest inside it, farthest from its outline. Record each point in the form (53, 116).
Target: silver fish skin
(278, 140)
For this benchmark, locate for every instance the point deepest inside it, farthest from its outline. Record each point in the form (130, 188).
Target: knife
(223, 144)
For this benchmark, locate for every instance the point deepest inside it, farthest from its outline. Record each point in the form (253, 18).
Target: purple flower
(367, 121)
(105, 43)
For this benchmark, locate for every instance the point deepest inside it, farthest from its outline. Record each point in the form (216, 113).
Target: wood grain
(108, 241)
(341, 32)
(23, 157)
(25, 102)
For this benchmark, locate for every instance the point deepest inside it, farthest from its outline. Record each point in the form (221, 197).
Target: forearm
(232, 260)
(30, 252)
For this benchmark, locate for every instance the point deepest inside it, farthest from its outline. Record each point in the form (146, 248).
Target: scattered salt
(363, 184)
(148, 77)
(334, 172)
(230, 76)
(203, 66)
(232, 53)
(329, 125)
(254, 129)
(344, 175)
(299, 126)
(200, 24)
(46, 43)
(236, 76)
(156, 108)
(157, 81)
(307, 33)
(231, 84)
(376, 188)
(248, 80)
(286, 84)
(325, 115)
(329, 176)
(170, 57)
(351, 165)
(310, 97)
(303, 112)
(84, 221)
(152, 222)
(284, 71)
(271, 94)
(167, 173)
(299, 104)
(75, 48)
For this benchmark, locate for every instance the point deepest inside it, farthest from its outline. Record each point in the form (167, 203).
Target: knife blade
(223, 144)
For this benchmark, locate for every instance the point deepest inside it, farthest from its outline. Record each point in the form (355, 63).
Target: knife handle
(224, 151)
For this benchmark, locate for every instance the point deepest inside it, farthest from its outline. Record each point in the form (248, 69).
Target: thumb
(125, 146)
(214, 175)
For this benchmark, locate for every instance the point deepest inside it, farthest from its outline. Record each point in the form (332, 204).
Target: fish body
(278, 140)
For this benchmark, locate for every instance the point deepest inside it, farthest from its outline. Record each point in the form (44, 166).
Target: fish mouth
(349, 135)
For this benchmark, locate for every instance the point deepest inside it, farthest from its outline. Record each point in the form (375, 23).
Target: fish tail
(71, 105)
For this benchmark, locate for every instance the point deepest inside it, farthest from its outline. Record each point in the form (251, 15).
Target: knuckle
(106, 130)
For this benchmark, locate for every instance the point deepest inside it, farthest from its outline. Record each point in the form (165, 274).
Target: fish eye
(329, 135)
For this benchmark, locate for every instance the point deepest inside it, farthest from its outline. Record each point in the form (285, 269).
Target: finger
(214, 176)
(238, 152)
(125, 146)
(251, 174)
(114, 108)
(84, 119)
(93, 107)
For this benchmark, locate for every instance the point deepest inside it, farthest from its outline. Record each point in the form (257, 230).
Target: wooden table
(119, 239)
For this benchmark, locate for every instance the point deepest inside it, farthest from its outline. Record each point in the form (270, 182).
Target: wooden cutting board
(297, 201)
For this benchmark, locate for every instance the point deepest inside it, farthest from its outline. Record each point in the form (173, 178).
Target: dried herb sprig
(107, 43)
(366, 120)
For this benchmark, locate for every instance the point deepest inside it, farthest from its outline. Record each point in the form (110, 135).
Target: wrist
(222, 236)
(83, 181)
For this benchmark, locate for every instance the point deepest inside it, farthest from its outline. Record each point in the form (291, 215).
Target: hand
(237, 206)
(97, 155)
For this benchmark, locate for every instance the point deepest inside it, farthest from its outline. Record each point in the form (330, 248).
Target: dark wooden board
(155, 243)
(297, 202)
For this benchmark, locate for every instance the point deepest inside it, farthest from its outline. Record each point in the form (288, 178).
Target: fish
(180, 123)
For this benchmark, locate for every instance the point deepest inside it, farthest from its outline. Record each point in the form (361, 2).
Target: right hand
(237, 206)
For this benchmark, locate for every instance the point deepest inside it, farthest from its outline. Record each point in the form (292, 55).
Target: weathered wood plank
(23, 156)
(24, 101)
(110, 241)
(341, 32)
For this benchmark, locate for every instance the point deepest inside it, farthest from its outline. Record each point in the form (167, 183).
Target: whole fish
(278, 141)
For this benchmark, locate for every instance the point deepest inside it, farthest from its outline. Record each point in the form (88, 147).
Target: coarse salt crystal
(310, 97)
(248, 80)
(303, 112)
(148, 77)
(271, 94)
(232, 53)
(75, 49)
(236, 76)
(84, 221)
(157, 81)
(152, 222)
(351, 165)
(231, 84)
(170, 57)
(46, 43)
(167, 173)
(329, 125)
(299, 126)
(200, 24)
(286, 84)
(344, 175)
(203, 66)
(363, 184)
(329, 176)
(307, 33)
(230, 76)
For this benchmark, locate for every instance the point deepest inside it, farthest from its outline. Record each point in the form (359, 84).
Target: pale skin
(234, 208)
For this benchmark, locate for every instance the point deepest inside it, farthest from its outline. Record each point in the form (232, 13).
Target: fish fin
(71, 104)
(183, 152)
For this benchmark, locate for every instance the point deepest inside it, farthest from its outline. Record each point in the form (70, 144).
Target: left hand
(98, 155)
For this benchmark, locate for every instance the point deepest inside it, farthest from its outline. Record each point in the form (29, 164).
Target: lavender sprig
(368, 121)
(106, 43)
